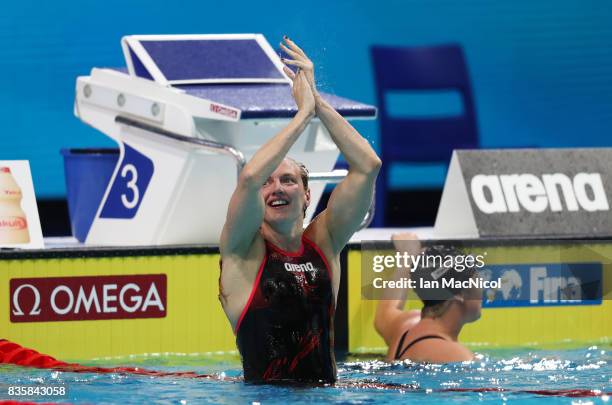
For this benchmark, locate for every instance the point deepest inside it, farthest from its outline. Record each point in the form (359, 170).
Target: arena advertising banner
(495, 273)
(527, 192)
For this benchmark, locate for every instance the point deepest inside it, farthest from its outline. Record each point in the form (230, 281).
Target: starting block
(187, 113)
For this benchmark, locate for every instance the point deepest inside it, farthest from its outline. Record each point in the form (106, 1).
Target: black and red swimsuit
(285, 332)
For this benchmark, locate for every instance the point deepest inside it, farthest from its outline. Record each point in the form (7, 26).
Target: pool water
(362, 380)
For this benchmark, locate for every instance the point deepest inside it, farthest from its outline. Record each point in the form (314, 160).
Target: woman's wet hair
(303, 174)
(440, 267)
(303, 171)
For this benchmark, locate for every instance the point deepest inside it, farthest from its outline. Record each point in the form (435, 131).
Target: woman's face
(284, 195)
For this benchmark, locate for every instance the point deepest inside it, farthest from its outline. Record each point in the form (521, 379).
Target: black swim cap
(441, 263)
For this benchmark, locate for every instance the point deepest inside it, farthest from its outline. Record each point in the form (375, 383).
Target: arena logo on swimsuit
(508, 193)
(88, 298)
(300, 267)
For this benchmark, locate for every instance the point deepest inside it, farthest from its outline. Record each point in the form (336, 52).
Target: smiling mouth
(278, 203)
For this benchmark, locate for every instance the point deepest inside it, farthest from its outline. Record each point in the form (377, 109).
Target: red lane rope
(576, 393)
(573, 393)
(12, 353)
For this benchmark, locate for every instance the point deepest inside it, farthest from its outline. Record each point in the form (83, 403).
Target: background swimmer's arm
(391, 319)
(390, 315)
(246, 208)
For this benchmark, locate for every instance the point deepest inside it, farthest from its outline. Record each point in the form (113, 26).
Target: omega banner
(87, 298)
(527, 192)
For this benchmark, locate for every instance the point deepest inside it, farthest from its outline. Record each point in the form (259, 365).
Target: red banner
(219, 109)
(87, 298)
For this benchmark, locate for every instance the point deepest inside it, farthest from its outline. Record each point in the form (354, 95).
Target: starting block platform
(187, 113)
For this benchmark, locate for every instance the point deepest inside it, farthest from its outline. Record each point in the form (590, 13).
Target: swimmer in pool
(433, 338)
(279, 281)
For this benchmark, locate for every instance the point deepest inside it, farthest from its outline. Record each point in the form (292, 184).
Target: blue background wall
(541, 70)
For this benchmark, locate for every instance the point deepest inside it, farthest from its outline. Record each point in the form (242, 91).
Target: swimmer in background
(434, 337)
(279, 281)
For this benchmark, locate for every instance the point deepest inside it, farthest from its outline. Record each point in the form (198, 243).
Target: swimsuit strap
(399, 345)
(415, 341)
